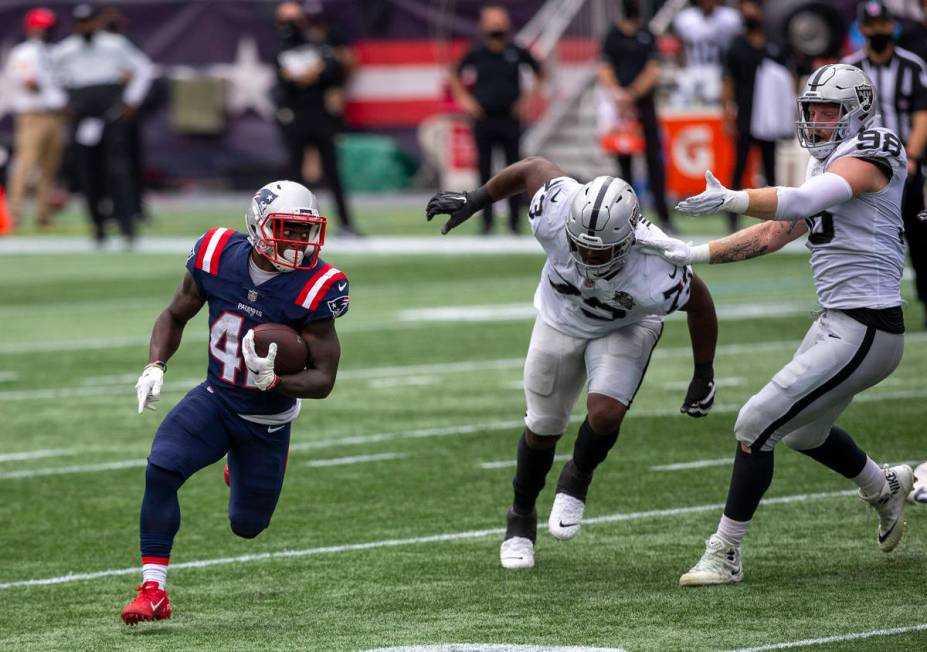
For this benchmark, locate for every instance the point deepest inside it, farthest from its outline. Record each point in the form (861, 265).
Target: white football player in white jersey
(600, 305)
(850, 207)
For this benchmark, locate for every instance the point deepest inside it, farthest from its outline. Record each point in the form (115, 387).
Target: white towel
(773, 116)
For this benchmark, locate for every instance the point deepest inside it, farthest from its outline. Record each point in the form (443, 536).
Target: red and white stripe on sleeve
(314, 291)
(207, 258)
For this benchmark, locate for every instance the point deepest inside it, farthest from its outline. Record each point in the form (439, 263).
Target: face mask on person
(752, 23)
(290, 33)
(878, 42)
(497, 35)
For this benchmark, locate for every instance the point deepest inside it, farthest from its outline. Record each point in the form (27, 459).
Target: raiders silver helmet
(277, 211)
(603, 217)
(836, 83)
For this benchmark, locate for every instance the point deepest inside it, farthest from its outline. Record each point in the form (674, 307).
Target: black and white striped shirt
(901, 87)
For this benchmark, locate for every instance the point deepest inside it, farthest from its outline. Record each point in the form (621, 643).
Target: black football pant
(488, 132)
(768, 155)
(656, 174)
(318, 130)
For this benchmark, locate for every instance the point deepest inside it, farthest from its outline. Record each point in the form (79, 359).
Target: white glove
(148, 387)
(674, 251)
(716, 198)
(918, 494)
(262, 368)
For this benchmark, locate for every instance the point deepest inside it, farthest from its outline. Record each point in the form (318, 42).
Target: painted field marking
(423, 433)
(408, 381)
(696, 464)
(7, 376)
(35, 455)
(506, 464)
(493, 647)
(890, 631)
(355, 459)
(66, 470)
(392, 543)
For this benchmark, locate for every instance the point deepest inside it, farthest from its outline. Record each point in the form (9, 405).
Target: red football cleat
(152, 603)
(228, 483)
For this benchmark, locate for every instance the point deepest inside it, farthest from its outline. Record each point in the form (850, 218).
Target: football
(292, 353)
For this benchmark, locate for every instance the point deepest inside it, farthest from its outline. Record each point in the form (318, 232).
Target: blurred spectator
(106, 78)
(306, 71)
(706, 31)
(745, 60)
(630, 71)
(114, 21)
(38, 102)
(495, 101)
(321, 34)
(900, 79)
(914, 33)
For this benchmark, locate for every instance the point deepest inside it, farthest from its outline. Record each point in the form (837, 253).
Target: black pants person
(318, 130)
(915, 232)
(656, 174)
(768, 155)
(104, 169)
(488, 132)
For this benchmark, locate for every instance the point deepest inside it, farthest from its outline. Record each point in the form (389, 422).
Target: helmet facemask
(806, 129)
(289, 240)
(614, 263)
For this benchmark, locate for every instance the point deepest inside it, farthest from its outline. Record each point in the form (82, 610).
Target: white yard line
(7, 376)
(890, 631)
(35, 455)
(507, 464)
(355, 459)
(65, 470)
(390, 543)
(697, 464)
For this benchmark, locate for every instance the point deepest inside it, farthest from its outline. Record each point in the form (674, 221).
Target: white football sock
(871, 479)
(155, 573)
(733, 531)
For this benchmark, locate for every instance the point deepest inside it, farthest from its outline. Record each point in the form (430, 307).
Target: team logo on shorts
(252, 295)
(339, 306)
(625, 300)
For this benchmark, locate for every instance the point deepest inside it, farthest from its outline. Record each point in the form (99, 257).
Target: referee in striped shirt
(900, 79)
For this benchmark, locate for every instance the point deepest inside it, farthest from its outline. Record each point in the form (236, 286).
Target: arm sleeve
(142, 72)
(812, 197)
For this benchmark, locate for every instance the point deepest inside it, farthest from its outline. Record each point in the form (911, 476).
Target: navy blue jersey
(219, 266)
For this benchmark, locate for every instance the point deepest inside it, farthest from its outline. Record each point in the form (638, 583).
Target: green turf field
(398, 545)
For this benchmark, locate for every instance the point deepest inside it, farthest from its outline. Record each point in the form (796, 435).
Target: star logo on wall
(249, 80)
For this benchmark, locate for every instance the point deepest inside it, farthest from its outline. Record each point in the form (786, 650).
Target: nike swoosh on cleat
(155, 605)
(562, 524)
(883, 537)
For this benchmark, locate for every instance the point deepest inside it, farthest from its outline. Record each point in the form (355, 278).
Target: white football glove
(918, 494)
(674, 251)
(715, 199)
(148, 387)
(262, 368)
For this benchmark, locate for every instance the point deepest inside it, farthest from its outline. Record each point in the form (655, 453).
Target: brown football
(292, 353)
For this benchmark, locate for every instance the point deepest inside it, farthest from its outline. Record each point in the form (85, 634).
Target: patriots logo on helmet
(264, 198)
(339, 306)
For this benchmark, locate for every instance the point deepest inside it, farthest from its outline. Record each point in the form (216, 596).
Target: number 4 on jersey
(225, 346)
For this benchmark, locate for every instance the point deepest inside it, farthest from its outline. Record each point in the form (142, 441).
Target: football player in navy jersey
(243, 409)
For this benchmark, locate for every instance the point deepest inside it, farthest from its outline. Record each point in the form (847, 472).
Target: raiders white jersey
(706, 38)
(857, 248)
(645, 286)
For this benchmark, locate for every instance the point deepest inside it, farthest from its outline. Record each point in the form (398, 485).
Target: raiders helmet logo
(263, 199)
(864, 95)
(625, 300)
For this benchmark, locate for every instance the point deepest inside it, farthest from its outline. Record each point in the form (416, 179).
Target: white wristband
(738, 201)
(700, 253)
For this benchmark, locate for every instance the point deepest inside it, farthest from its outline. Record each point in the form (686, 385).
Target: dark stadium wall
(403, 47)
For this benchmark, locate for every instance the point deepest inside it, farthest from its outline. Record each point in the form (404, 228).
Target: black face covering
(498, 35)
(878, 42)
(630, 9)
(291, 34)
(88, 37)
(753, 23)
